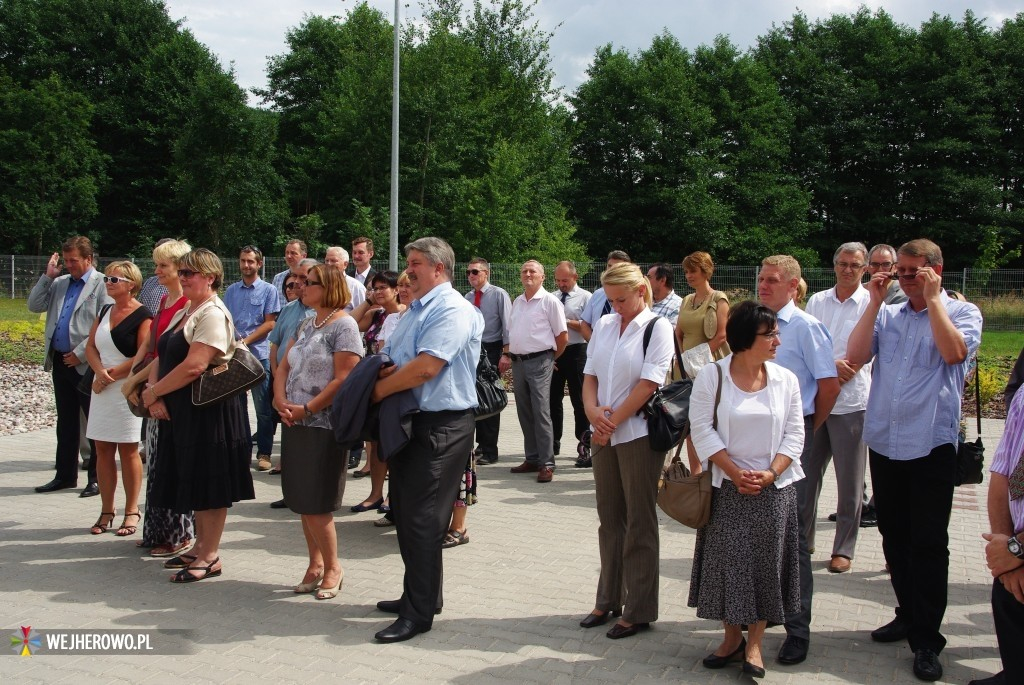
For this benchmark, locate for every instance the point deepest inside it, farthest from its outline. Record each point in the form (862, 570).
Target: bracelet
(306, 407)
(774, 473)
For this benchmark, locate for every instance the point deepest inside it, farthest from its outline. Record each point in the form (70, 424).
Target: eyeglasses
(885, 266)
(309, 283)
(770, 334)
(906, 275)
(114, 279)
(847, 266)
(186, 273)
(473, 272)
(293, 285)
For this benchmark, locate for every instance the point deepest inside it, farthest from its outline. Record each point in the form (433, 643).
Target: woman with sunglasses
(167, 532)
(204, 451)
(116, 336)
(318, 359)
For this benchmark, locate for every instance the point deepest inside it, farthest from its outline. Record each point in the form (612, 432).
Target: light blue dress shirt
(444, 325)
(249, 306)
(292, 314)
(594, 310)
(806, 350)
(914, 405)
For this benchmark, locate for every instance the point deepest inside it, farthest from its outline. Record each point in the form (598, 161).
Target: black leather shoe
(893, 631)
(997, 679)
(752, 670)
(793, 650)
(926, 665)
(594, 620)
(399, 631)
(55, 485)
(620, 631)
(391, 606)
(485, 459)
(279, 504)
(90, 490)
(714, 661)
(354, 458)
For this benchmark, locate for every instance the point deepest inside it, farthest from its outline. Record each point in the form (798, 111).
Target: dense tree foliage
(116, 122)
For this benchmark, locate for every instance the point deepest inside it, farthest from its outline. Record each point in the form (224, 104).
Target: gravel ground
(27, 401)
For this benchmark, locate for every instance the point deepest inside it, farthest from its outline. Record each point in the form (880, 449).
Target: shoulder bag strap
(977, 396)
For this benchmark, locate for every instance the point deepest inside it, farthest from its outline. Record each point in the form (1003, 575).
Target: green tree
(50, 168)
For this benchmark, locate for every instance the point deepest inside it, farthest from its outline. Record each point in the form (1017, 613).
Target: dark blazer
(355, 418)
(48, 296)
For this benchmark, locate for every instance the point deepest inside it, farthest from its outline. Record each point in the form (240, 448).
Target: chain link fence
(999, 293)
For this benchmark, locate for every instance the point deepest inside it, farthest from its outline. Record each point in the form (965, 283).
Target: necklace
(696, 304)
(327, 318)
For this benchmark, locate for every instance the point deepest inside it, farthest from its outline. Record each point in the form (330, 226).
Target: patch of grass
(17, 310)
(996, 344)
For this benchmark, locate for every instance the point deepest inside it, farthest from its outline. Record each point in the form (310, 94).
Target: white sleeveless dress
(109, 418)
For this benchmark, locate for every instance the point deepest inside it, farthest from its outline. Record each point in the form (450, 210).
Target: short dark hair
(254, 250)
(301, 243)
(746, 321)
(390, 278)
(620, 255)
(363, 239)
(80, 243)
(663, 272)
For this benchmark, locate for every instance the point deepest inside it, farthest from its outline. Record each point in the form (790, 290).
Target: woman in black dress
(204, 451)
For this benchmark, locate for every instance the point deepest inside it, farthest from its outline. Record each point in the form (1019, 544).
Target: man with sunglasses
(72, 303)
(496, 307)
(920, 350)
(254, 305)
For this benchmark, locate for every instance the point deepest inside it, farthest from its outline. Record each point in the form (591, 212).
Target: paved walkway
(513, 595)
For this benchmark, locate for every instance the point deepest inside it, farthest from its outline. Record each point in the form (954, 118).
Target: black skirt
(313, 468)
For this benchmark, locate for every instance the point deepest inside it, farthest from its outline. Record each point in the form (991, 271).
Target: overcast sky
(247, 32)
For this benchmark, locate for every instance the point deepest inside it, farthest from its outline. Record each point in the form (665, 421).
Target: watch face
(1014, 546)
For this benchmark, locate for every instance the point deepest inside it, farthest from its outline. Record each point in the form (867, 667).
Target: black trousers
(914, 499)
(71, 404)
(487, 429)
(1009, 619)
(425, 478)
(569, 370)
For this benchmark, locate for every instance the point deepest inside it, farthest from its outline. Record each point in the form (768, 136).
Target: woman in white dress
(113, 341)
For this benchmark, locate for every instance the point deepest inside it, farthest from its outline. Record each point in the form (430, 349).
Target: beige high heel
(304, 588)
(331, 592)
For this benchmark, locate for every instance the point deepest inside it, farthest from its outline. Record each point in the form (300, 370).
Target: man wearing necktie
(569, 367)
(71, 302)
(496, 306)
(599, 305)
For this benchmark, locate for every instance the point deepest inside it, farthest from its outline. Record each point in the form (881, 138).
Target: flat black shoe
(485, 459)
(90, 490)
(360, 508)
(868, 519)
(793, 650)
(399, 631)
(997, 679)
(893, 631)
(926, 665)
(279, 504)
(594, 620)
(752, 670)
(391, 606)
(620, 631)
(55, 485)
(714, 661)
(833, 517)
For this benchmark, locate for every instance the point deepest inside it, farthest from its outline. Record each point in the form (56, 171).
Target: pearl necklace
(318, 326)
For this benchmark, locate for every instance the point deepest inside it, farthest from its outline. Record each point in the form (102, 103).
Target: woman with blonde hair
(618, 379)
(116, 335)
(319, 357)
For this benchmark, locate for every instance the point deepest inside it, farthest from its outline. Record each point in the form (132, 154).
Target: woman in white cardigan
(745, 568)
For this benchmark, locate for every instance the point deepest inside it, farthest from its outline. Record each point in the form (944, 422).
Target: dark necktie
(1017, 480)
(607, 307)
(565, 296)
(477, 295)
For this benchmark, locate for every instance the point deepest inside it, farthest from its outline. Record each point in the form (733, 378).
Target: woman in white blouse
(745, 567)
(618, 379)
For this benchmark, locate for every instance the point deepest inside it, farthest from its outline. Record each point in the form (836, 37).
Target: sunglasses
(293, 285)
(473, 272)
(186, 273)
(309, 283)
(115, 279)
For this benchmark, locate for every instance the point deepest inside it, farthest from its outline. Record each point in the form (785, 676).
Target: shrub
(21, 341)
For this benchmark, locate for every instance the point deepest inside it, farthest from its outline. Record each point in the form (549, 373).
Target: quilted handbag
(491, 395)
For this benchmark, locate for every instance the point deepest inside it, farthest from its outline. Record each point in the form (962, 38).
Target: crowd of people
(868, 377)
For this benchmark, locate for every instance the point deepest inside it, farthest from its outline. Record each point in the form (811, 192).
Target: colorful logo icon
(23, 641)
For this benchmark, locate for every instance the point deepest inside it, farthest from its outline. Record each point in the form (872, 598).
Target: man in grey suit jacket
(71, 302)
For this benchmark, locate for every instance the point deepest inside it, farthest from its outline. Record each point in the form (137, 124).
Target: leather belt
(524, 357)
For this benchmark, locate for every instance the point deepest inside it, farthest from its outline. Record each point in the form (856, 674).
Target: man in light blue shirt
(435, 347)
(254, 305)
(805, 349)
(598, 305)
(921, 349)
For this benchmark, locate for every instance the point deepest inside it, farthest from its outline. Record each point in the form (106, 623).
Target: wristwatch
(1015, 547)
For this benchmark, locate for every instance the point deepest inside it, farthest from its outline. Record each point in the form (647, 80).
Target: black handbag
(970, 456)
(226, 380)
(491, 395)
(668, 409)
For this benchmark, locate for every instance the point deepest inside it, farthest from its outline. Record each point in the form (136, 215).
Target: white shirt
(535, 323)
(618, 363)
(840, 318)
(358, 291)
(361, 276)
(735, 432)
(574, 304)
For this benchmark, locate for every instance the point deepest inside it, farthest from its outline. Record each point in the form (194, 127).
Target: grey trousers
(838, 441)
(532, 384)
(626, 482)
(799, 624)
